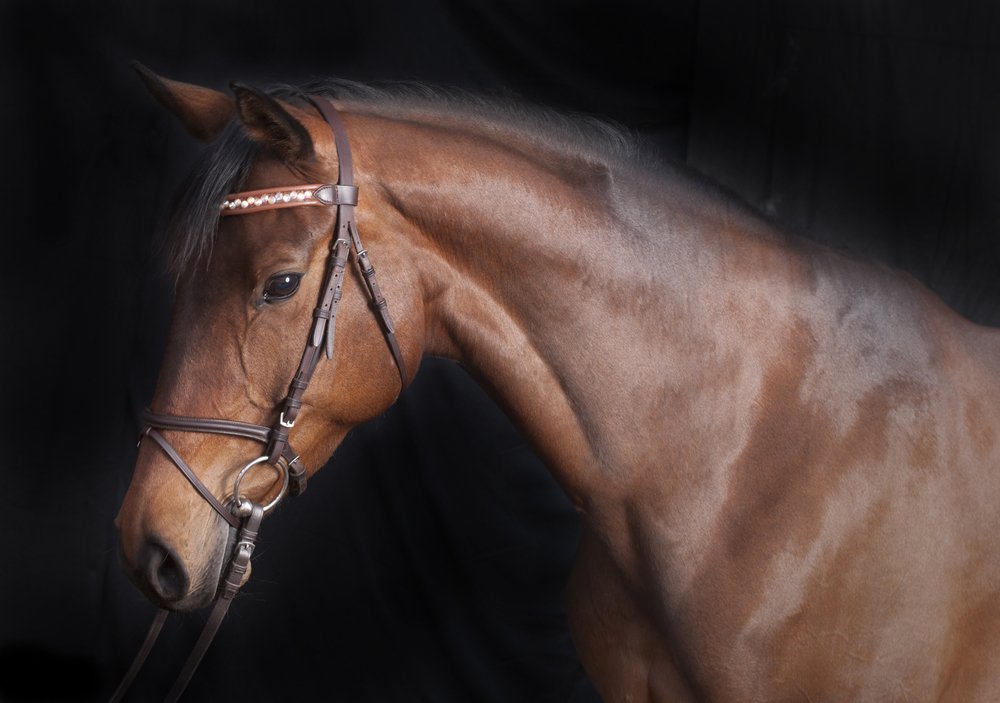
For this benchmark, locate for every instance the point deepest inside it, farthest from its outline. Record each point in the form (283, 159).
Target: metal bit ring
(239, 509)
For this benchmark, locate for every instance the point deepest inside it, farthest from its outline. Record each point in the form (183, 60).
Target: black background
(428, 560)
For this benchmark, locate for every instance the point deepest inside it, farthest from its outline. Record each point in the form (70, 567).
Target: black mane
(194, 217)
(223, 168)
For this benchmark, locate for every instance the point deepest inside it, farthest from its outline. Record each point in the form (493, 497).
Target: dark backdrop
(427, 561)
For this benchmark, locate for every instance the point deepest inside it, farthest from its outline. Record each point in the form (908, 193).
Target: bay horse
(786, 458)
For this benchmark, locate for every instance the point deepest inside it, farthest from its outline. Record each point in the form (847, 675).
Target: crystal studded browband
(289, 196)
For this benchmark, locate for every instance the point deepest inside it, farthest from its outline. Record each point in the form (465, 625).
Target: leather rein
(245, 515)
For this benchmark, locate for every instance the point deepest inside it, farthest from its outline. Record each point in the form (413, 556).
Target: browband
(325, 194)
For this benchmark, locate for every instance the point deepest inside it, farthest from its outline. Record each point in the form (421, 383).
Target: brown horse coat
(786, 459)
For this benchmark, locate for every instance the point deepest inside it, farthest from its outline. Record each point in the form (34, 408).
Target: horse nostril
(164, 570)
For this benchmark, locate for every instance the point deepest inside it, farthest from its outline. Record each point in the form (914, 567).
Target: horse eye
(281, 286)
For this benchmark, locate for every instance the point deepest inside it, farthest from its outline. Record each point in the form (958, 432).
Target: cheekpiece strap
(344, 196)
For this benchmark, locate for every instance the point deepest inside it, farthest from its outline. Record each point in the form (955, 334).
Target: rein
(245, 515)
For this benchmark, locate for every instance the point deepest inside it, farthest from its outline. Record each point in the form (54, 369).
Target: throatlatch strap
(347, 227)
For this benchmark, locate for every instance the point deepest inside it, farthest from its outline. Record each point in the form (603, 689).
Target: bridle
(245, 515)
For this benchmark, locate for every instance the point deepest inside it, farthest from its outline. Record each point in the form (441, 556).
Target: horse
(786, 458)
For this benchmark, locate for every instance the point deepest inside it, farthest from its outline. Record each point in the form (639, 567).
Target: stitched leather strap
(186, 470)
(325, 314)
(246, 430)
(368, 273)
(140, 658)
(259, 433)
(346, 226)
(234, 578)
(324, 324)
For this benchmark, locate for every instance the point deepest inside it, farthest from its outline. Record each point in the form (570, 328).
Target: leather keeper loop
(324, 314)
(296, 472)
(274, 451)
(337, 195)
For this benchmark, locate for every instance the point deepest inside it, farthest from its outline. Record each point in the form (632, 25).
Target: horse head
(244, 297)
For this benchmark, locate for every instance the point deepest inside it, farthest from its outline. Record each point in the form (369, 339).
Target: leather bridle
(245, 515)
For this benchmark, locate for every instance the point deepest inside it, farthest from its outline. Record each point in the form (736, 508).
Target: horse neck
(552, 282)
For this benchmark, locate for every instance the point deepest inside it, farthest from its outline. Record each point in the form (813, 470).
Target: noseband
(246, 515)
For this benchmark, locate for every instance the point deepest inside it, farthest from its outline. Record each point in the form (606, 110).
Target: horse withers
(786, 459)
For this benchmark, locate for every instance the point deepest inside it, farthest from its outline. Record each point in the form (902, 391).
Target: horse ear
(268, 120)
(202, 111)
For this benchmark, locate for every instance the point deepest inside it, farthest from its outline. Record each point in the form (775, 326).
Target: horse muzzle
(158, 570)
